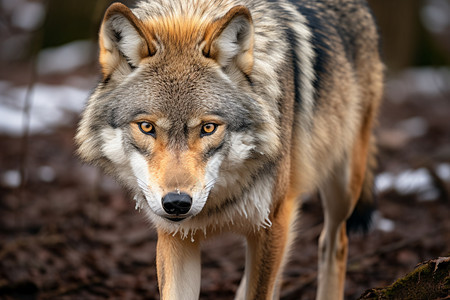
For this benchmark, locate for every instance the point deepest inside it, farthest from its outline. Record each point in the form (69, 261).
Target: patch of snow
(384, 182)
(11, 178)
(435, 15)
(10, 120)
(413, 181)
(414, 127)
(46, 173)
(49, 107)
(28, 16)
(410, 182)
(443, 171)
(66, 58)
(425, 81)
(381, 223)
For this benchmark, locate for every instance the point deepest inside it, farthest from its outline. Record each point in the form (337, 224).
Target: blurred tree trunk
(405, 41)
(430, 280)
(71, 20)
(399, 25)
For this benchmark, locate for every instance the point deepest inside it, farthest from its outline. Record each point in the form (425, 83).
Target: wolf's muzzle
(177, 203)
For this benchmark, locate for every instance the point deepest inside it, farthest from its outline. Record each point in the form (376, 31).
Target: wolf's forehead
(181, 98)
(178, 31)
(169, 102)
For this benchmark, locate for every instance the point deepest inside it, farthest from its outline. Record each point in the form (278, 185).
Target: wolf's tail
(361, 218)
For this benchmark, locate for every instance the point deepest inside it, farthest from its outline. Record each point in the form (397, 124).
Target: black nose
(176, 203)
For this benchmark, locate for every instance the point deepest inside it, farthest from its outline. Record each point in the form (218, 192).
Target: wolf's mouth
(177, 219)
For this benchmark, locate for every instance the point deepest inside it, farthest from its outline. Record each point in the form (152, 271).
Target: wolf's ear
(124, 41)
(229, 40)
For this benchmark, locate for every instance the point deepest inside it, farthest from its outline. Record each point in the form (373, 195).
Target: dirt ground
(73, 233)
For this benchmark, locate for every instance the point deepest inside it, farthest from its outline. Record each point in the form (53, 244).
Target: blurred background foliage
(415, 32)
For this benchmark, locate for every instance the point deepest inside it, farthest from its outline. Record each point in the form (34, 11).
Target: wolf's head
(175, 110)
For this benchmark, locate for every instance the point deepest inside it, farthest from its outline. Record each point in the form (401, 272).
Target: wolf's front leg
(178, 266)
(266, 254)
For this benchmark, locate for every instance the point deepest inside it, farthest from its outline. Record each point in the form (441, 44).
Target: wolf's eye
(147, 128)
(208, 129)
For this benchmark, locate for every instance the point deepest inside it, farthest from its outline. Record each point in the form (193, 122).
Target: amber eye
(208, 129)
(147, 128)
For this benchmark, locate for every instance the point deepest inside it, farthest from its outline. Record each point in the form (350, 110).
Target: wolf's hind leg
(178, 266)
(333, 243)
(339, 196)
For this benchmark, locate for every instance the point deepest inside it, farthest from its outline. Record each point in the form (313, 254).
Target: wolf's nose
(177, 203)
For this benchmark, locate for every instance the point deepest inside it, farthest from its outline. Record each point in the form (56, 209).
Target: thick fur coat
(220, 115)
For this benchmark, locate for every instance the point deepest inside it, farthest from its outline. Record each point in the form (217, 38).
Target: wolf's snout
(177, 203)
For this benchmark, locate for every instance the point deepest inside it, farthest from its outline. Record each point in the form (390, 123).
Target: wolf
(220, 116)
